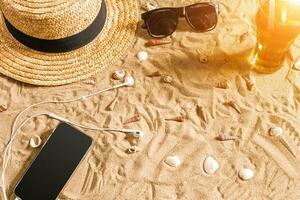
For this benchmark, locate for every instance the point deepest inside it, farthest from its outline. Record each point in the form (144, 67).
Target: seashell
(249, 83)
(297, 64)
(173, 161)
(202, 58)
(210, 165)
(3, 108)
(142, 55)
(287, 146)
(202, 113)
(133, 149)
(176, 119)
(118, 74)
(246, 174)
(224, 85)
(234, 106)
(35, 142)
(243, 37)
(168, 79)
(112, 105)
(90, 82)
(157, 42)
(150, 6)
(222, 137)
(156, 73)
(135, 118)
(275, 131)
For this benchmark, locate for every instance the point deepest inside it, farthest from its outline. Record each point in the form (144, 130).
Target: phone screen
(54, 165)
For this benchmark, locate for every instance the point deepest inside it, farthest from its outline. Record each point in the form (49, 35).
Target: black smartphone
(54, 164)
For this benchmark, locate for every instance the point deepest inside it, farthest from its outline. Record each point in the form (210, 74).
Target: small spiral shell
(234, 106)
(156, 42)
(135, 118)
(3, 108)
(176, 119)
(224, 84)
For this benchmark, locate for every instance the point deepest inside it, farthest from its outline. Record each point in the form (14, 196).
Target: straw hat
(55, 42)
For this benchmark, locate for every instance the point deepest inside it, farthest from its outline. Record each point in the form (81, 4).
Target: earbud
(129, 81)
(138, 134)
(135, 133)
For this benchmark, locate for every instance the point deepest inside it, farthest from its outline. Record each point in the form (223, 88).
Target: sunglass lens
(202, 16)
(162, 23)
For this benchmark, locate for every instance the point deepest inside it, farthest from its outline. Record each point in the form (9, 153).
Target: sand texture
(108, 172)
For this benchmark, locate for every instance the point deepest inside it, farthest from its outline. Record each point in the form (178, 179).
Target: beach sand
(108, 172)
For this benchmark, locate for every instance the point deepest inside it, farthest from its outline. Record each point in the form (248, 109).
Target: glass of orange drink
(278, 25)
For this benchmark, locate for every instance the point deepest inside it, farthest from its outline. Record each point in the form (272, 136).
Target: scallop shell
(168, 79)
(210, 165)
(246, 174)
(35, 141)
(173, 161)
(142, 55)
(119, 74)
(276, 131)
(3, 108)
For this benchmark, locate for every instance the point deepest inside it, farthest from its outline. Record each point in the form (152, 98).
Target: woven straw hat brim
(24, 64)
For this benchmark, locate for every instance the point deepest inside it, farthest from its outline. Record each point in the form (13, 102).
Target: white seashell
(246, 174)
(35, 142)
(297, 64)
(142, 55)
(168, 79)
(133, 149)
(90, 82)
(173, 161)
(276, 131)
(210, 165)
(119, 74)
(151, 6)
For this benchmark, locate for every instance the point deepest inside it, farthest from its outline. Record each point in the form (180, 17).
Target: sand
(108, 172)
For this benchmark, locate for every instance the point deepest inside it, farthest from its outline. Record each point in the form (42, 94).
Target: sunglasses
(163, 22)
